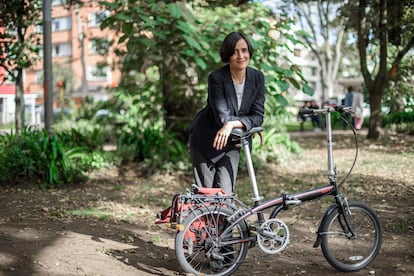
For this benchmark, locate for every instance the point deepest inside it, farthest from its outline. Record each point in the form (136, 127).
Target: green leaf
(271, 88)
(183, 26)
(266, 67)
(189, 52)
(192, 42)
(283, 85)
(147, 42)
(294, 82)
(303, 33)
(281, 100)
(175, 10)
(307, 90)
(123, 38)
(200, 62)
(127, 28)
(123, 17)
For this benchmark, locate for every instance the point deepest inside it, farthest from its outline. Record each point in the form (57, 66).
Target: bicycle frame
(214, 235)
(285, 200)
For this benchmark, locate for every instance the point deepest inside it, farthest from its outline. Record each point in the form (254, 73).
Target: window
(98, 46)
(99, 73)
(41, 51)
(58, 2)
(95, 18)
(61, 24)
(39, 28)
(38, 76)
(61, 50)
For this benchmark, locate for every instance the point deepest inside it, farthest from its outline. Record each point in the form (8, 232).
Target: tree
(81, 38)
(324, 35)
(179, 44)
(400, 93)
(19, 45)
(381, 25)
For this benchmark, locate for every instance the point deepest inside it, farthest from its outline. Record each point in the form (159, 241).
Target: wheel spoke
(206, 257)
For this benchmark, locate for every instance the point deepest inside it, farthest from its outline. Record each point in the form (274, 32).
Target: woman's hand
(223, 134)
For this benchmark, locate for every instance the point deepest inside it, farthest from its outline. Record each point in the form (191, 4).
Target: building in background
(307, 62)
(8, 104)
(82, 56)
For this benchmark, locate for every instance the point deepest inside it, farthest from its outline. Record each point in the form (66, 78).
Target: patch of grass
(118, 187)
(129, 215)
(400, 226)
(7, 127)
(92, 212)
(149, 193)
(295, 126)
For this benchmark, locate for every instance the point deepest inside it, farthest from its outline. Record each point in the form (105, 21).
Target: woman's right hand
(223, 134)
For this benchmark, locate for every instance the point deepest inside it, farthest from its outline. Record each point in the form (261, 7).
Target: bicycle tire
(195, 248)
(347, 253)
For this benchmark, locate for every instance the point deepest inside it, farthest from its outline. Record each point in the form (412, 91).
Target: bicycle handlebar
(339, 108)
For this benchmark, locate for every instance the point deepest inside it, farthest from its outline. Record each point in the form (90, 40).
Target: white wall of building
(8, 109)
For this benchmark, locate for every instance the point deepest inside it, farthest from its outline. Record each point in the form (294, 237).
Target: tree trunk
(19, 96)
(327, 52)
(81, 38)
(375, 120)
(19, 100)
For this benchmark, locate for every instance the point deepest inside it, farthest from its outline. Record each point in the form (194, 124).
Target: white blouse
(239, 92)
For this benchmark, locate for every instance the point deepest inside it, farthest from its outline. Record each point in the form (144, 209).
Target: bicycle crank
(273, 236)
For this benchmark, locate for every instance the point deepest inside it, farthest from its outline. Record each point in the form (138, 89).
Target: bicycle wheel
(196, 246)
(347, 252)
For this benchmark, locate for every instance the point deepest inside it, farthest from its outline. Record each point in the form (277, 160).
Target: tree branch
(404, 51)
(383, 40)
(363, 42)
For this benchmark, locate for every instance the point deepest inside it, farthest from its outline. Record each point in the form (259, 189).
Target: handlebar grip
(343, 109)
(306, 111)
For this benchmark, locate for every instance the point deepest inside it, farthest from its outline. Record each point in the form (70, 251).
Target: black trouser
(221, 174)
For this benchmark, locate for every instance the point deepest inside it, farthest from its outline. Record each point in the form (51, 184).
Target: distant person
(348, 102)
(358, 108)
(303, 115)
(316, 119)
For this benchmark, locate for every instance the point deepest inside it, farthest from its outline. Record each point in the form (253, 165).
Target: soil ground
(106, 226)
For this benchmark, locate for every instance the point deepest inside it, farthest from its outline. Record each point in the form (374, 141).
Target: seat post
(250, 169)
(331, 165)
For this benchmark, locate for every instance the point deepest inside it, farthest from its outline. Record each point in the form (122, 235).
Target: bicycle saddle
(239, 132)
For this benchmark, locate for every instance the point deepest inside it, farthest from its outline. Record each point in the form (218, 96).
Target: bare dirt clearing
(105, 227)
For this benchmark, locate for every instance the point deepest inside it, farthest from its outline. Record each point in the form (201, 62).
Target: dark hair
(229, 43)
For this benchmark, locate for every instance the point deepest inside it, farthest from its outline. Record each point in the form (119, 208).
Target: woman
(235, 100)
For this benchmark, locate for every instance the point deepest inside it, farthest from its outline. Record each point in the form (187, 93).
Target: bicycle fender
(322, 222)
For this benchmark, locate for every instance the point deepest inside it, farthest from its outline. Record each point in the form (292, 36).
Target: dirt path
(105, 227)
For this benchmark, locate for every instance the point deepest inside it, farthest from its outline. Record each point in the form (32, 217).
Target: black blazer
(222, 107)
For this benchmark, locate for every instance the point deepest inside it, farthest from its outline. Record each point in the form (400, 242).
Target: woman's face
(241, 57)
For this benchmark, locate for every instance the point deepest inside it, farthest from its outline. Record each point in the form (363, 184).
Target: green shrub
(18, 155)
(155, 147)
(398, 118)
(407, 128)
(276, 148)
(83, 133)
(37, 158)
(401, 122)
